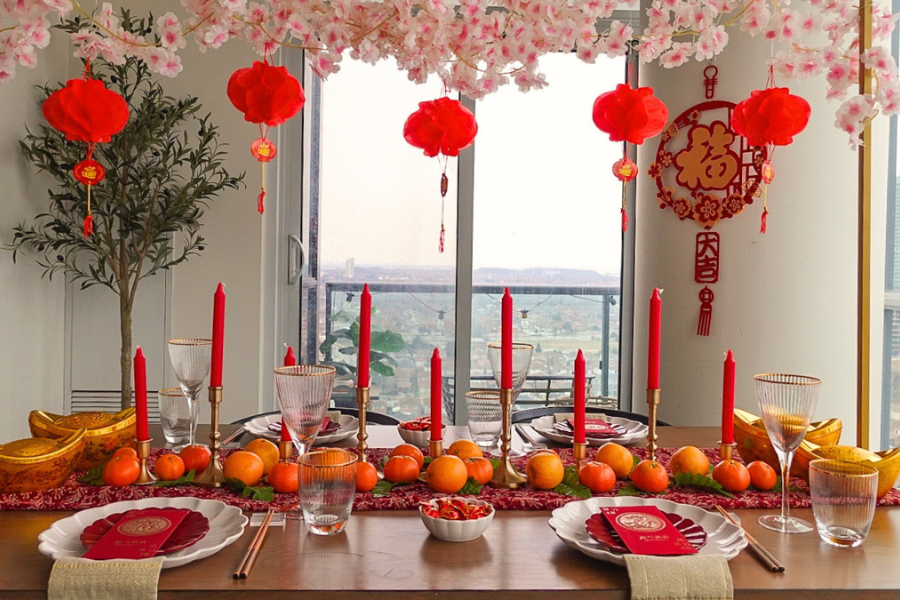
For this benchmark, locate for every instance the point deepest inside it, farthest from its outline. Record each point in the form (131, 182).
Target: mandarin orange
(401, 469)
(366, 476)
(121, 471)
(465, 449)
(169, 467)
(762, 475)
(196, 458)
(732, 476)
(616, 456)
(689, 459)
(597, 476)
(446, 474)
(480, 469)
(267, 451)
(411, 451)
(544, 470)
(284, 477)
(245, 466)
(650, 476)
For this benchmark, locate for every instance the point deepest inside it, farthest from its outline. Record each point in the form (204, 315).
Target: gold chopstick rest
(243, 569)
(764, 555)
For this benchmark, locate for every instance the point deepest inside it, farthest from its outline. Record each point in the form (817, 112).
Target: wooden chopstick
(764, 555)
(253, 549)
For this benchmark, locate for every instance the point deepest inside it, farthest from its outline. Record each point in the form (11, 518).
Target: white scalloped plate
(259, 427)
(637, 432)
(226, 524)
(723, 538)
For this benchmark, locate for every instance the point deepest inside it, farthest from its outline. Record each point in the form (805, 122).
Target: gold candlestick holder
(435, 448)
(579, 453)
(213, 476)
(506, 476)
(285, 450)
(362, 399)
(652, 404)
(726, 451)
(145, 477)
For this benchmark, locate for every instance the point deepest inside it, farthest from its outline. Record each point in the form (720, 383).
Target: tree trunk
(125, 306)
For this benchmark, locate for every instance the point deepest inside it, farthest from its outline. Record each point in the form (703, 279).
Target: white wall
(31, 308)
(786, 300)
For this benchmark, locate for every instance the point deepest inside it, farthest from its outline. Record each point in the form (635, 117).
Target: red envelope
(138, 534)
(645, 530)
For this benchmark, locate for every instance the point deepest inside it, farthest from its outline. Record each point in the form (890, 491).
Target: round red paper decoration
(629, 114)
(89, 172)
(266, 94)
(85, 111)
(442, 126)
(770, 117)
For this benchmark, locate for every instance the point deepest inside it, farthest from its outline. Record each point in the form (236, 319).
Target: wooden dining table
(390, 554)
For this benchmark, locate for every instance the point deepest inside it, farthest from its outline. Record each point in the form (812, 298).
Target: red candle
(140, 396)
(436, 396)
(365, 336)
(728, 400)
(506, 334)
(289, 361)
(653, 346)
(579, 398)
(218, 337)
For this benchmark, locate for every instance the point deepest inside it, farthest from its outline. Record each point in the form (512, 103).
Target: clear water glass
(304, 394)
(191, 359)
(843, 500)
(787, 403)
(485, 417)
(176, 413)
(327, 488)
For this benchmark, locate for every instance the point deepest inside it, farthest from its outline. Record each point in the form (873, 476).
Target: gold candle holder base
(285, 450)
(506, 476)
(579, 453)
(213, 476)
(362, 399)
(145, 477)
(726, 451)
(435, 448)
(652, 404)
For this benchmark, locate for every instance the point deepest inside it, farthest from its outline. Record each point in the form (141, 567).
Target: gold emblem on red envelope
(641, 522)
(145, 526)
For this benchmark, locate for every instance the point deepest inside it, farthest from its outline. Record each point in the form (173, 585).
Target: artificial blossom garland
(476, 46)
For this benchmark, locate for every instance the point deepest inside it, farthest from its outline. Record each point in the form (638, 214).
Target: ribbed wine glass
(190, 358)
(787, 403)
(304, 393)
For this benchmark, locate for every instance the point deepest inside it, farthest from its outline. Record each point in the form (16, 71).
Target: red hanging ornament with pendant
(443, 126)
(629, 115)
(768, 118)
(86, 111)
(268, 96)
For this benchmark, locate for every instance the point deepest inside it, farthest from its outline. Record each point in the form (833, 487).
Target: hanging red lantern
(86, 111)
(770, 117)
(268, 96)
(443, 126)
(629, 115)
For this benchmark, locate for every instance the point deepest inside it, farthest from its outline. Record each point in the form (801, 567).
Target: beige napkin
(119, 579)
(679, 577)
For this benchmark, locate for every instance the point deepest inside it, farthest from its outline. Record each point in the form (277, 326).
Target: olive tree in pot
(162, 169)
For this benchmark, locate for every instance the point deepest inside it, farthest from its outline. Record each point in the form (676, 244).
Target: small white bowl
(416, 438)
(457, 531)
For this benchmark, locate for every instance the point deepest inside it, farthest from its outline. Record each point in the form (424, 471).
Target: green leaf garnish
(383, 488)
(635, 461)
(701, 481)
(472, 488)
(427, 462)
(629, 490)
(495, 462)
(93, 477)
(261, 493)
(571, 485)
(183, 480)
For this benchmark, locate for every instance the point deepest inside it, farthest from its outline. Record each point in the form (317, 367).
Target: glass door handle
(296, 259)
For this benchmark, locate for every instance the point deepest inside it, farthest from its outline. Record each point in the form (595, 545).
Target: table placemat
(76, 496)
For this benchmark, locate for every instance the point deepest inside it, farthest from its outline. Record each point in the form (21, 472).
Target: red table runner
(76, 496)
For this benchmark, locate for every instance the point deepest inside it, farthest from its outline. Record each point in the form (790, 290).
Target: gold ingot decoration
(106, 432)
(753, 442)
(887, 463)
(36, 464)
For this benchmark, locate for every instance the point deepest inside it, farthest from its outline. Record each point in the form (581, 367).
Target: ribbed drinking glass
(304, 393)
(190, 358)
(787, 403)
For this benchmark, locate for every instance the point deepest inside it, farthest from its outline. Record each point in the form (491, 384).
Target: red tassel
(441, 245)
(88, 226)
(624, 221)
(762, 225)
(259, 202)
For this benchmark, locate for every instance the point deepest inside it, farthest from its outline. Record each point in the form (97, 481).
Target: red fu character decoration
(629, 115)
(268, 96)
(85, 111)
(769, 118)
(443, 126)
